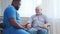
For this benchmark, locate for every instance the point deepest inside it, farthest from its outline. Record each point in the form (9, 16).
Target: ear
(41, 9)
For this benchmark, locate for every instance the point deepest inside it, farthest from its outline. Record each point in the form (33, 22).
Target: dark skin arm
(14, 24)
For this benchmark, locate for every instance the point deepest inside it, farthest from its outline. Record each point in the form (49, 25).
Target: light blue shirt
(38, 21)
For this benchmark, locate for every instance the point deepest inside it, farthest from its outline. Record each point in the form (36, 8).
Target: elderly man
(12, 20)
(39, 22)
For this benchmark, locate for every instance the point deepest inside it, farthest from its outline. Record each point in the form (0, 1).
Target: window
(51, 8)
(27, 8)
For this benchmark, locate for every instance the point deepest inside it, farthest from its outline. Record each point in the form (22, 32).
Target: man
(12, 19)
(39, 22)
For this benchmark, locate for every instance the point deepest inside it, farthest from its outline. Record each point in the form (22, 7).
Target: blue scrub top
(11, 12)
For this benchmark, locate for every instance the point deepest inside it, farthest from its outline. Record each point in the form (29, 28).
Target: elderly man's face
(38, 10)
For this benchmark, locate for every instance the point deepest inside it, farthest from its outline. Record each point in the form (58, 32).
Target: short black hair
(16, 0)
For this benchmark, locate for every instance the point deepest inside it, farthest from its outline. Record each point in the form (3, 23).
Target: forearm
(15, 24)
(48, 24)
(45, 26)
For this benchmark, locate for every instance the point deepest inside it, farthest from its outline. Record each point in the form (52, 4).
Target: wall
(58, 16)
(3, 5)
(27, 8)
(0, 8)
(48, 9)
(58, 8)
(51, 8)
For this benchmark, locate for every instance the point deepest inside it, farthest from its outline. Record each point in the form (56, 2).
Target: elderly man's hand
(45, 26)
(48, 24)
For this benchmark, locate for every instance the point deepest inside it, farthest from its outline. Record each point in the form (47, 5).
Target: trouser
(42, 31)
(12, 30)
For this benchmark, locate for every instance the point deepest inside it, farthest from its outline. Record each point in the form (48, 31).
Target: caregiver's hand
(21, 26)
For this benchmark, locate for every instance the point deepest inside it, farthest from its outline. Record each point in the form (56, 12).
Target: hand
(48, 24)
(22, 27)
(45, 26)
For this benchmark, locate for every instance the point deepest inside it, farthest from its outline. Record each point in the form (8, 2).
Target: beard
(17, 8)
(37, 13)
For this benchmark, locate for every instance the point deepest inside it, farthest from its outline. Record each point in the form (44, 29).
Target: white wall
(52, 9)
(48, 8)
(4, 4)
(0, 8)
(58, 17)
(58, 9)
(27, 8)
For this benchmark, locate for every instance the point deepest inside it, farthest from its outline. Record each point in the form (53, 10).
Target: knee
(32, 31)
(45, 31)
(24, 32)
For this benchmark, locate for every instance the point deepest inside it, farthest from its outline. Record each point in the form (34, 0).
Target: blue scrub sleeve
(11, 13)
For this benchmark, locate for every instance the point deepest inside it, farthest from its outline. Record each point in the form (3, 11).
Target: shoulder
(10, 8)
(33, 16)
(44, 15)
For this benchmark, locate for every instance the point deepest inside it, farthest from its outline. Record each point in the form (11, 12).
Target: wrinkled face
(38, 10)
(28, 26)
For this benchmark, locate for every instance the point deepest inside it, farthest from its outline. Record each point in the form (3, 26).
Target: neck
(39, 14)
(14, 6)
